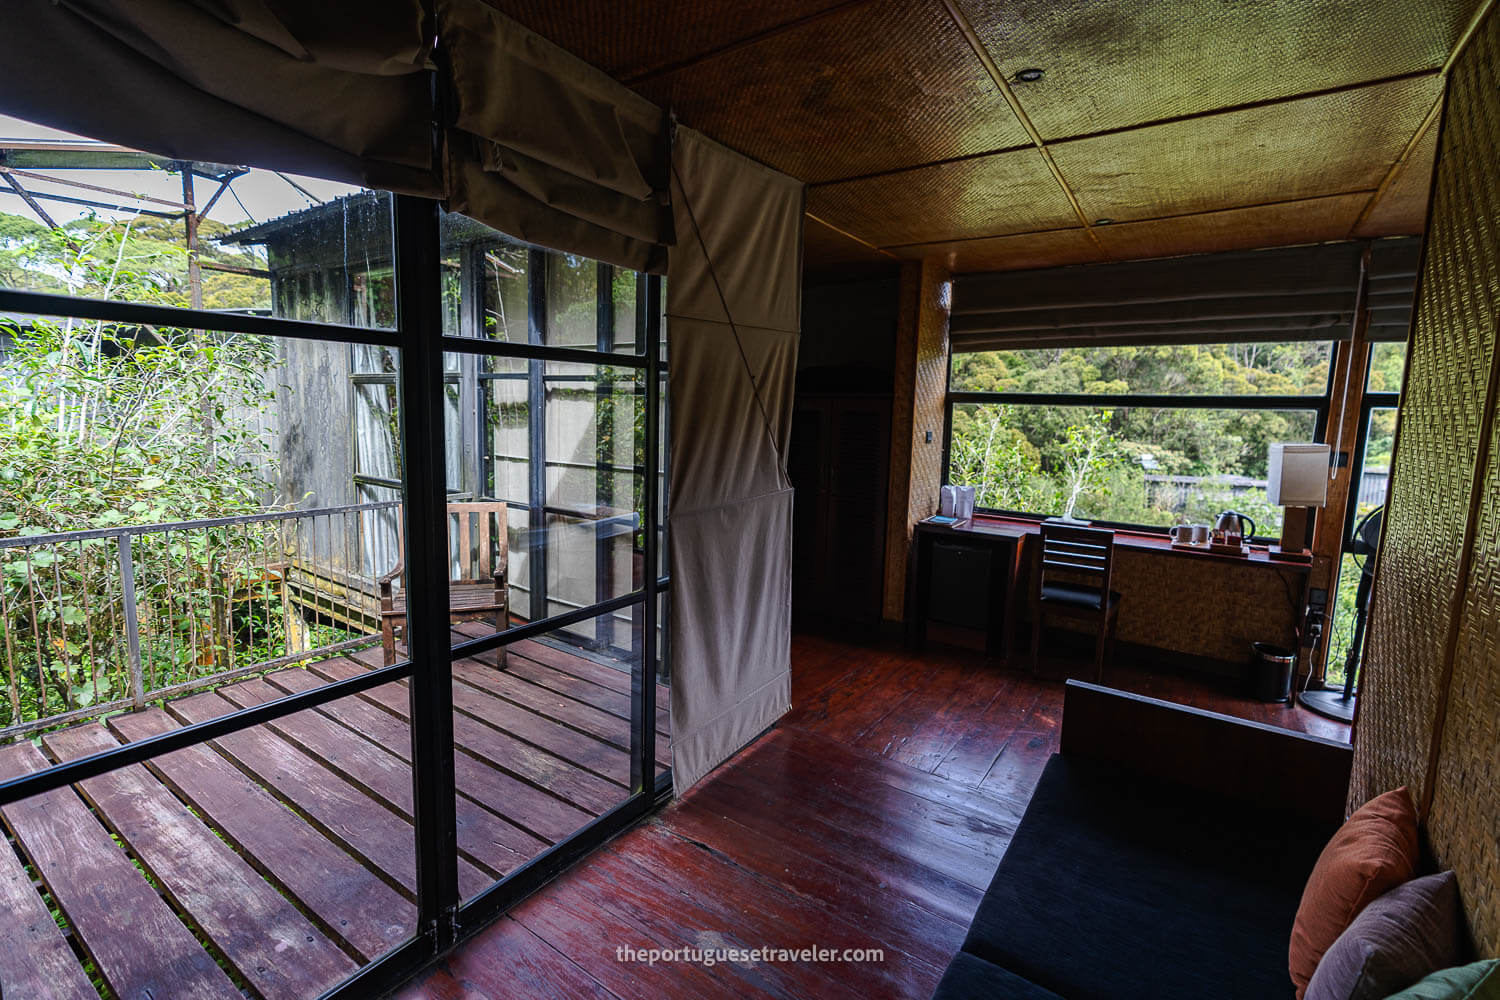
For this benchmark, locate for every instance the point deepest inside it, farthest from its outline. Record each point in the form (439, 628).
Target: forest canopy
(1133, 464)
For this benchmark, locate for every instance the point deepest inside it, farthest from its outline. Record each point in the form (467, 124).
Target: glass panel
(506, 293)
(266, 242)
(542, 736)
(1387, 364)
(455, 474)
(1133, 465)
(527, 294)
(572, 301)
(1372, 486)
(626, 289)
(572, 486)
(1287, 369)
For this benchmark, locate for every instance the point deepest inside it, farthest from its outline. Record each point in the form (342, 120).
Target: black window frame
(1318, 405)
(441, 920)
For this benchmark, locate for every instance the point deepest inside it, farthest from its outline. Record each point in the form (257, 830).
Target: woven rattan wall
(921, 393)
(1430, 714)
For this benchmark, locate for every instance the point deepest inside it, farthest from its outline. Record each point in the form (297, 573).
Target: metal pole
(536, 423)
(190, 231)
(643, 683)
(132, 625)
(419, 320)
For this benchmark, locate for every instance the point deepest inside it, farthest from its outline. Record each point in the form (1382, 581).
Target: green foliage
(141, 260)
(103, 427)
(1094, 462)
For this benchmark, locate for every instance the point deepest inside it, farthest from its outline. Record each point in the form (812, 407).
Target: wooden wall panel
(1430, 708)
(920, 395)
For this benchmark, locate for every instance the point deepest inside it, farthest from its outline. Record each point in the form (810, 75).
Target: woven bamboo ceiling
(1156, 128)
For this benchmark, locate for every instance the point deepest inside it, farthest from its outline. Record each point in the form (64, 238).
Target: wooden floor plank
(930, 720)
(568, 916)
(150, 954)
(842, 757)
(554, 679)
(577, 665)
(955, 850)
(352, 903)
(483, 837)
(270, 944)
(35, 960)
(475, 782)
(584, 718)
(342, 810)
(542, 800)
(561, 741)
(633, 895)
(845, 848)
(757, 912)
(890, 918)
(533, 970)
(955, 838)
(863, 696)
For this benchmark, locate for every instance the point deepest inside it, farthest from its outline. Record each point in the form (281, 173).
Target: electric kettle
(1233, 526)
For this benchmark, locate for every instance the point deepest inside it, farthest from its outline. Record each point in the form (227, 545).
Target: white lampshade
(1298, 475)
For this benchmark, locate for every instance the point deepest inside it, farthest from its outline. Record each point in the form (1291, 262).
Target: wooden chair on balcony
(477, 552)
(1072, 580)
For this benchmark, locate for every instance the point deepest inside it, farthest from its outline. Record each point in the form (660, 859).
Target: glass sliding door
(325, 610)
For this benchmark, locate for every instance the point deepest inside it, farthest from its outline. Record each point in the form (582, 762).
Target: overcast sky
(261, 193)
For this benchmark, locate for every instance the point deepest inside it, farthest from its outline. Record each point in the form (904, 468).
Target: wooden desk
(1004, 540)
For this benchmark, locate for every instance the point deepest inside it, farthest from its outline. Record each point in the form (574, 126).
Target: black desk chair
(1072, 581)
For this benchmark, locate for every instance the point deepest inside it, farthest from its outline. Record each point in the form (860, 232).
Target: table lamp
(1298, 481)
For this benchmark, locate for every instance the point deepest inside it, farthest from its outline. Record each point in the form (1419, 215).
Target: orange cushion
(1373, 852)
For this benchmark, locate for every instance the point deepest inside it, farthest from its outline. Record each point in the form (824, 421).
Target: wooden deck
(274, 861)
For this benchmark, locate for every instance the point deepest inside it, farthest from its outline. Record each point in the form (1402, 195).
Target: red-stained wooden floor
(872, 816)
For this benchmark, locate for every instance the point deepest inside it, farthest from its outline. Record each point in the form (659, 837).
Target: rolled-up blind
(536, 143)
(341, 90)
(1291, 293)
(734, 315)
(549, 149)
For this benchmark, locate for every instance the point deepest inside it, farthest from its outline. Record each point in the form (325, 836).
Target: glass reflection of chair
(478, 584)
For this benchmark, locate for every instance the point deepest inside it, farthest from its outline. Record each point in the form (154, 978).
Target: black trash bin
(1271, 672)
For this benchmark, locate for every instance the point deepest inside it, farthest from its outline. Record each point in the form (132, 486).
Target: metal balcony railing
(97, 621)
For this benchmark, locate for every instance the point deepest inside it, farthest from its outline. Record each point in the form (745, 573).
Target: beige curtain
(733, 321)
(341, 90)
(549, 149)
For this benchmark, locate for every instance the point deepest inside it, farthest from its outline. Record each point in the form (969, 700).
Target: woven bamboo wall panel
(1402, 208)
(1154, 613)
(1114, 63)
(1331, 144)
(629, 40)
(1442, 422)
(997, 195)
(1317, 220)
(875, 87)
(919, 400)
(1464, 825)
(1009, 253)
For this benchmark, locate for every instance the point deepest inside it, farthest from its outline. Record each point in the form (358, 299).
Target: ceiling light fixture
(1030, 75)
(1103, 222)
